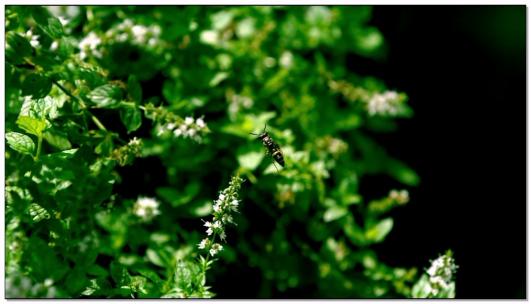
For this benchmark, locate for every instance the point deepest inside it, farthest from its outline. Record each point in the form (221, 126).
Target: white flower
(54, 46)
(200, 123)
(401, 197)
(34, 39)
(178, 132)
(222, 207)
(191, 132)
(155, 30)
(89, 44)
(441, 272)
(203, 244)
(382, 104)
(209, 37)
(63, 20)
(139, 33)
(222, 235)
(286, 59)
(146, 208)
(226, 218)
(234, 205)
(152, 42)
(188, 121)
(215, 249)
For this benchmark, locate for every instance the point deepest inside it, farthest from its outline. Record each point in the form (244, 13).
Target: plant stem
(39, 145)
(82, 104)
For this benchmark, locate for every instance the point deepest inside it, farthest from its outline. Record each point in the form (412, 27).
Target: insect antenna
(265, 126)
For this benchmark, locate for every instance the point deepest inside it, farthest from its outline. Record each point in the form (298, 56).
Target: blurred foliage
(90, 90)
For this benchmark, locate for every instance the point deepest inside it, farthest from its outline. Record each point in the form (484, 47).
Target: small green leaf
(31, 125)
(154, 258)
(403, 173)
(334, 213)
(250, 159)
(378, 232)
(66, 46)
(54, 28)
(20, 142)
(219, 77)
(57, 139)
(37, 85)
(47, 22)
(17, 47)
(105, 146)
(106, 96)
(134, 89)
(131, 118)
(200, 209)
(119, 274)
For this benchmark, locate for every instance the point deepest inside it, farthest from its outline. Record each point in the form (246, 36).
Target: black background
(464, 69)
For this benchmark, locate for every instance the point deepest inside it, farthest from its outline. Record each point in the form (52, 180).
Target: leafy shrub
(124, 122)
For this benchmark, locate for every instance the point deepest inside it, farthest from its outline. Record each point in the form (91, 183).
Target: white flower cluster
(401, 197)
(89, 46)
(384, 104)
(137, 34)
(226, 204)
(146, 208)
(190, 128)
(440, 273)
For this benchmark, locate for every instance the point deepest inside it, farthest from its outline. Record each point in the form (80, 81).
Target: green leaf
(97, 270)
(48, 23)
(31, 125)
(403, 173)
(378, 232)
(17, 47)
(20, 142)
(334, 213)
(76, 281)
(131, 118)
(37, 85)
(134, 89)
(218, 78)
(106, 96)
(176, 198)
(154, 258)
(200, 209)
(57, 139)
(119, 274)
(66, 46)
(250, 157)
(105, 146)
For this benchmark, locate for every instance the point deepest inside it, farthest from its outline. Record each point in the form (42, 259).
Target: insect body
(271, 146)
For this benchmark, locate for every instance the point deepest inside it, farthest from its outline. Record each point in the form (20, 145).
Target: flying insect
(272, 147)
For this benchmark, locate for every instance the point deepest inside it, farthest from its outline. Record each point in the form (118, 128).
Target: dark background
(464, 69)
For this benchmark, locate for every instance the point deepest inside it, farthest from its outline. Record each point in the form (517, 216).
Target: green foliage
(92, 92)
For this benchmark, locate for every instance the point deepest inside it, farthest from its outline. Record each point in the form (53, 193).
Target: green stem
(39, 146)
(82, 104)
